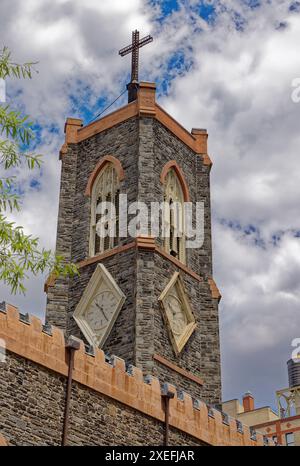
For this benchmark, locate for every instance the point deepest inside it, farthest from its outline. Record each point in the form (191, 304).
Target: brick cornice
(146, 243)
(176, 128)
(144, 106)
(113, 381)
(108, 121)
(104, 255)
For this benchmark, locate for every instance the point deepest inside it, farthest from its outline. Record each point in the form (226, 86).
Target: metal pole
(72, 345)
(167, 397)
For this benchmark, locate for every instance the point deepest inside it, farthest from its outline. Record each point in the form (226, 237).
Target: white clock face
(176, 315)
(100, 311)
(99, 306)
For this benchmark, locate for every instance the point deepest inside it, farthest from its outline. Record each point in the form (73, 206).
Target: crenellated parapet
(27, 337)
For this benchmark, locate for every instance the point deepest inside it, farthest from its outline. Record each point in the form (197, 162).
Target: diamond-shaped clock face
(177, 313)
(99, 306)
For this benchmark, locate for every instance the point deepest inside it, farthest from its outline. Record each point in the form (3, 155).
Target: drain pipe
(167, 396)
(72, 345)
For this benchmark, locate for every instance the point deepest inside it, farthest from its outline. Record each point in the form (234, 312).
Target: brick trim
(178, 264)
(99, 166)
(173, 164)
(3, 442)
(108, 121)
(282, 432)
(146, 243)
(286, 419)
(215, 293)
(178, 369)
(145, 105)
(104, 255)
(207, 160)
(113, 381)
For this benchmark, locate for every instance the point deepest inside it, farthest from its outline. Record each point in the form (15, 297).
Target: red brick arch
(101, 164)
(173, 164)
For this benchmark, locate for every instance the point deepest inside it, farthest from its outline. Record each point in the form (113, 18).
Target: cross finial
(133, 48)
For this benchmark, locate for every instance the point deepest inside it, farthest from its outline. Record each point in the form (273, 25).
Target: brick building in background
(150, 301)
(282, 427)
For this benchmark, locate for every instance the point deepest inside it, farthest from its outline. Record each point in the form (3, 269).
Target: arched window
(105, 189)
(174, 241)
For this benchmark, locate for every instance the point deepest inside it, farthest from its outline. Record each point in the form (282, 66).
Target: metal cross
(134, 49)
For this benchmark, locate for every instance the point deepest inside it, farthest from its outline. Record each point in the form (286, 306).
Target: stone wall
(73, 230)
(58, 295)
(32, 406)
(122, 267)
(201, 354)
(109, 405)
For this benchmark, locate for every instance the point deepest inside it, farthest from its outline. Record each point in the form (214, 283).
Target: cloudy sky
(227, 66)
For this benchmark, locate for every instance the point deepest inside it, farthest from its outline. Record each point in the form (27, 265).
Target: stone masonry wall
(143, 146)
(123, 268)
(201, 355)
(32, 406)
(167, 147)
(73, 230)
(110, 404)
(57, 298)
(121, 141)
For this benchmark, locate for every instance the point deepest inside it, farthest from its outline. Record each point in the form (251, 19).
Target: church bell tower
(148, 299)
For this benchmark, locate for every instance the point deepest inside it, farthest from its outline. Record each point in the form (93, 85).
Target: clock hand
(101, 309)
(104, 314)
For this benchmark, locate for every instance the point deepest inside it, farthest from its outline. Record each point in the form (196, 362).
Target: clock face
(99, 306)
(100, 311)
(176, 314)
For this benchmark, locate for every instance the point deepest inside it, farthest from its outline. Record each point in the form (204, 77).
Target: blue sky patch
(177, 65)
(251, 232)
(253, 3)
(167, 7)
(294, 7)
(35, 184)
(207, 11)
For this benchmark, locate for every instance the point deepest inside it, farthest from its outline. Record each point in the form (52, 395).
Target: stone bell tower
(152, 303)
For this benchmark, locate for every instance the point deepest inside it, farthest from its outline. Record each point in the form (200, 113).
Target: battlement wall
(110, 403)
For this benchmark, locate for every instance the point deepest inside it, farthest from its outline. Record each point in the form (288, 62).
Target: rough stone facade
(32, 406)
(110, 404)
(143, 145)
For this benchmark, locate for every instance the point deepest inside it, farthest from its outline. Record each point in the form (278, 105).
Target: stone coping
(142, 243)
(45, 345)
(144, 106)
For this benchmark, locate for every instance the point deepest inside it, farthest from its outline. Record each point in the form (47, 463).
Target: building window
(174, 241)
(289, 439)
(104, 223)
